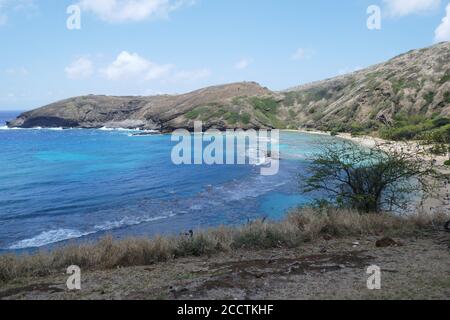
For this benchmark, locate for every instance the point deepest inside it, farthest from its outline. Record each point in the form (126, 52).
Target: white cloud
(442, 32)
(400, 8)
(131, 65)
(80, 69)
(243, 64)
(8, 6)
(302, 54)
(132, 10)
(134, 67)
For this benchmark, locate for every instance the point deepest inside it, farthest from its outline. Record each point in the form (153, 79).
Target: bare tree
(370, 179)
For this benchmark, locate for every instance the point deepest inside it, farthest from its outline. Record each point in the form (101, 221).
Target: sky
(52, 50)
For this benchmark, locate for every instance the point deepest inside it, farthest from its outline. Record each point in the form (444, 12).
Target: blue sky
(146, 47)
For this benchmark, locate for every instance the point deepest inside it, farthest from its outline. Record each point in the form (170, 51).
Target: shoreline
(439, 199)
(371, 142)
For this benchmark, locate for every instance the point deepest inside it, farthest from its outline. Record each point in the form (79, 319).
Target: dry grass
(301, 226)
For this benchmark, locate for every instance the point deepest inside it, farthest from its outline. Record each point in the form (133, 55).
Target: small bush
(445, 78)
(245, 118)
(447, 97)
(433, 130)
(193, 114)
(265, 105)
(447, 163)
(402, 133)
(429, 97)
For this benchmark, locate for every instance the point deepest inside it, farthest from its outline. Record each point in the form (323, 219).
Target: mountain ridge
(416, 82)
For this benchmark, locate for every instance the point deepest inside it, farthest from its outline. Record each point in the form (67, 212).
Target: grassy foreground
(300, 227)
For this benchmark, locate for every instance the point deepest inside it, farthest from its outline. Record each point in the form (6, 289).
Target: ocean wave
(49, 237)
(35, 128)
(62, 129)
(8, 128)
(55, 129)
(58, 235)
(129, 221)
(252, 188)
(143, 133)
(123, 129)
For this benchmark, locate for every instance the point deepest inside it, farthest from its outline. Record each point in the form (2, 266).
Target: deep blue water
(60, 185)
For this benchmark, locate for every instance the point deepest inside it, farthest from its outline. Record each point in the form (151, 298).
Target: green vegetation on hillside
(265, 105)
(266, 110)
(429, 97)
(445, 78)
(447, 97)
(218, 112)
(355, 128)
(435, 129)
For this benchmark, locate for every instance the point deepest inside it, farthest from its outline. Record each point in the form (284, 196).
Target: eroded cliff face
(417, 82)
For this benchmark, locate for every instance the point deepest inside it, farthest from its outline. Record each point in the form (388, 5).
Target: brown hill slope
(417, 82)
(158, 112)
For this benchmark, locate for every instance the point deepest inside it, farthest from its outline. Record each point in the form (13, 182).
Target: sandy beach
(439, 200)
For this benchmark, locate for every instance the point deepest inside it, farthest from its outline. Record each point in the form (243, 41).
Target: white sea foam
(129, 221)
(8, 128)
(145, 132)
(35, 128)
(49, 237)
(58, 235)
(252, 188)
(101, 129)
(120, 129)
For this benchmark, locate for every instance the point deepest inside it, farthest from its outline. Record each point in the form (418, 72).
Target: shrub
(265, 105)
(445, 78)
(245, 118)
(447, 97)
(397, 86)
(368, 180)
(232, 117)
(193, 114)
(429, 97)
(409, 132)
(415, 127)
(440, 122)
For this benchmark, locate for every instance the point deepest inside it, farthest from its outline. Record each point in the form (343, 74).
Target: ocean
(59, 185)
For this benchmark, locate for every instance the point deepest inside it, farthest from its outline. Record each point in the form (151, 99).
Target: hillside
(417, 82)
(164, 112)
(414, 83)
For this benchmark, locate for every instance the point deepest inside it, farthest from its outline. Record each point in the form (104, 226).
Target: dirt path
(335, 269)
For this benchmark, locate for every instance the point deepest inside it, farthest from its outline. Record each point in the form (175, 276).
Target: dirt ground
(419, 268)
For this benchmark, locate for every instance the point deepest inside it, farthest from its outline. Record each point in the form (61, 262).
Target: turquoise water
(61, 185)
